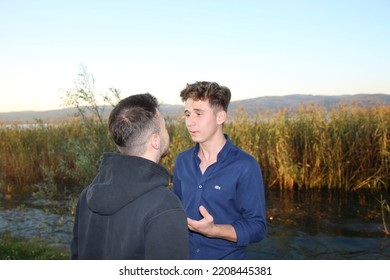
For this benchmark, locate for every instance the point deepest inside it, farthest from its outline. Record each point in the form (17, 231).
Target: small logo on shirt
(217, 187)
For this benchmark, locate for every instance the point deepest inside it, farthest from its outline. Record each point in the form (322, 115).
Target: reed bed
(345, 148)
(51, 157)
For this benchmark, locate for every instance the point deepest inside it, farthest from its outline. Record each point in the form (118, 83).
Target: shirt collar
(222, 154)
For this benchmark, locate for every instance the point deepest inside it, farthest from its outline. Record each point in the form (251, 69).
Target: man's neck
(209, 150)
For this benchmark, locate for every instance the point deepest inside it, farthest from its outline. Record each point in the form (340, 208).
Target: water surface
(301, 225)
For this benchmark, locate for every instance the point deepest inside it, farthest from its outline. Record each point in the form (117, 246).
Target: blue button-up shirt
(231, 190)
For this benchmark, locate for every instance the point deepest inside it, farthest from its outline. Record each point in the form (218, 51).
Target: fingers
(203, 224)
(190, 223)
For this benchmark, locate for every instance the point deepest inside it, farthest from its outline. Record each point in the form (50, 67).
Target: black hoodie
(129, 213)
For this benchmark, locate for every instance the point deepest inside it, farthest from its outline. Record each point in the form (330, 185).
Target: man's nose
(190, 121)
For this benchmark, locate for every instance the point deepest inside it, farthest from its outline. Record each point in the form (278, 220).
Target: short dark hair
(132, 121)
(218, 96)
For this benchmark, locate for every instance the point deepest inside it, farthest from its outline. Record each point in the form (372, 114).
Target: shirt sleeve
(251, 227)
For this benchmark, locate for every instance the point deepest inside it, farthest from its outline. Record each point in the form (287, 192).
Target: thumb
(203, 211)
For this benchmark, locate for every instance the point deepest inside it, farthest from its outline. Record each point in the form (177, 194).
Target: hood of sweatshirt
(122, 179)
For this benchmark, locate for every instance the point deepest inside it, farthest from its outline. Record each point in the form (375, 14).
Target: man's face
(201, 120)
(164, 136)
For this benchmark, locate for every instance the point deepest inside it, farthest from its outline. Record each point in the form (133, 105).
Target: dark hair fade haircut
(132, 120)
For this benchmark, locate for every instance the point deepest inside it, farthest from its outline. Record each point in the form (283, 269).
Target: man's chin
(195, 138)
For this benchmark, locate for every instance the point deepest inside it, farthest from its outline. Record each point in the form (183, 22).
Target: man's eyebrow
(196, 110)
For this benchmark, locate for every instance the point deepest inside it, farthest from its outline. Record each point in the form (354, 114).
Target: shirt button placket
(199, 196)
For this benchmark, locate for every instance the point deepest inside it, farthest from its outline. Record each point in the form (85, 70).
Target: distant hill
(251, 106)
(61, 114)
(292, 102)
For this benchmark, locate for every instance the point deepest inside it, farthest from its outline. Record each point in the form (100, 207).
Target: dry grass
(345, 148)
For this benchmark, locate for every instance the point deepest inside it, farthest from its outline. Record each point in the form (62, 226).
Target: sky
(254, 47)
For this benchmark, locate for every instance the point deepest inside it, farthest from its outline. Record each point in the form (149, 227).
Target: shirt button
(197, 250)
(200, 186)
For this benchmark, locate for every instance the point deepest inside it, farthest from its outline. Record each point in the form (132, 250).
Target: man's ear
(155, 141)
(221, 117)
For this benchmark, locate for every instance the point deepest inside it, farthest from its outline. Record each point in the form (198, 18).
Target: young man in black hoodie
(128, 212)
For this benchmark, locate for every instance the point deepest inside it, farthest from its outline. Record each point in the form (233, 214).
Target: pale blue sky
(256, 48)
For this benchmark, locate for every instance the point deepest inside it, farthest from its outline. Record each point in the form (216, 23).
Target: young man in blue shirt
(220, 185)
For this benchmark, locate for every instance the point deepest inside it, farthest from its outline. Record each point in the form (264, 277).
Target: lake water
(323, 226)
(306, 225)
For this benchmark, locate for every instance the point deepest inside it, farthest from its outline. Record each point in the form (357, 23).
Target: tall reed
(345, 148)
(58, 156)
